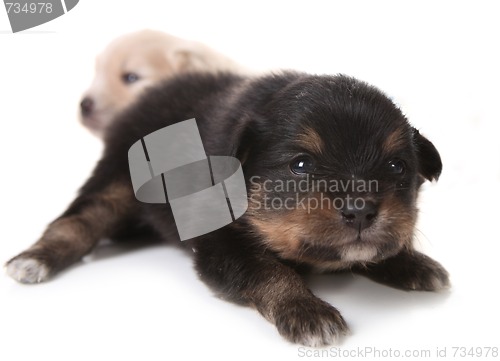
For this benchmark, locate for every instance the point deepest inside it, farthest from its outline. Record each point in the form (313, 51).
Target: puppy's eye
(129, 78)
(397, 166)
(303, 164)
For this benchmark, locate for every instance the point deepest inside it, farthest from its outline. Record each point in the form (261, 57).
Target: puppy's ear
(429, 160)
(188, 60)
(244, 140)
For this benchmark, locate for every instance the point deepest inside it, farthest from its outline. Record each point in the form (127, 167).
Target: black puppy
(332, 168)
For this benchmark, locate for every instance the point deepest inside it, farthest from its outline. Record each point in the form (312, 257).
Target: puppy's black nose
(87, 106)
(359, 218)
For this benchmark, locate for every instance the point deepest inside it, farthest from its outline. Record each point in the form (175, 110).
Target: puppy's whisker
(417, 237)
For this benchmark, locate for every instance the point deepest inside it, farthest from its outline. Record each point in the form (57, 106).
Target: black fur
(357, 134)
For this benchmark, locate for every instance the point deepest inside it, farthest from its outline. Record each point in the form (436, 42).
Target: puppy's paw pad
(27, 270)
(312, 323)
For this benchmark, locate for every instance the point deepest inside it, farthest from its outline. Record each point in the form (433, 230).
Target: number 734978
(31, 8)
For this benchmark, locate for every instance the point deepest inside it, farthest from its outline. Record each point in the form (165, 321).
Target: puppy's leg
(408, 270)
(92, 216)
(253, 277)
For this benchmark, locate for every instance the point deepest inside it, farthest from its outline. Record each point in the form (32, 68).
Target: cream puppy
(136, 61)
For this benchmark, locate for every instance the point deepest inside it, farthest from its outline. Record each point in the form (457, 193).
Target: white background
(439, 60)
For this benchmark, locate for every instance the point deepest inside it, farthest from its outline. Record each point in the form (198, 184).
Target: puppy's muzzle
(359, 215)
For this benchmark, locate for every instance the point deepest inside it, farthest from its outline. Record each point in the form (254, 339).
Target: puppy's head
(133, 62)
(333, 171)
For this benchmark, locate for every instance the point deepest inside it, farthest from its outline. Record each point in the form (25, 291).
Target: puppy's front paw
(408, 270)
(427, 275)
(27, 270)
(310, 322)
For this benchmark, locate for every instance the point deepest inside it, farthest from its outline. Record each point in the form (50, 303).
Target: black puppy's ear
(245, 142)
(251, 132)
(429, 160)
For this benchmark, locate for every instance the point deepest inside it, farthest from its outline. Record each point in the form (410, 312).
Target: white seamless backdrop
(437, 59)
